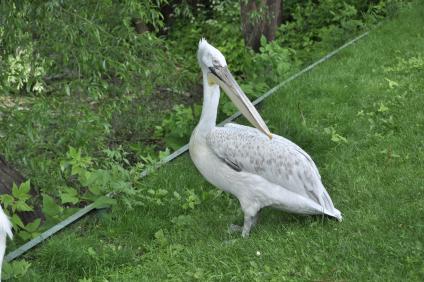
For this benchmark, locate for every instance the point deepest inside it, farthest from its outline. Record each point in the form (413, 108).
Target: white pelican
(5, 230)
(259, 168)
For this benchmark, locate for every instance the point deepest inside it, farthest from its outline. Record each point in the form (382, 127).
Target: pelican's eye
(215, 63)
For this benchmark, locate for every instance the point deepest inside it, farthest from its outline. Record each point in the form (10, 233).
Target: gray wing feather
(278, 138)
(279, 160)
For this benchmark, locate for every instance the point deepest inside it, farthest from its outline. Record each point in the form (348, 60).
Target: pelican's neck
(210, 105)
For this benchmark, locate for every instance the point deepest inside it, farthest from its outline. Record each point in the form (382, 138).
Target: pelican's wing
(283, 140)
(278, 160)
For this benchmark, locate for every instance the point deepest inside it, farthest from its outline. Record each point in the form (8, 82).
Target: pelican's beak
(226, 81)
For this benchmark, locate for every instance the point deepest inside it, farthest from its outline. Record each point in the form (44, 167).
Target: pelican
(259, 168)
(5, 230)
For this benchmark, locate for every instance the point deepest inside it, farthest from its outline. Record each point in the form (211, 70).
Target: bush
(83, 47)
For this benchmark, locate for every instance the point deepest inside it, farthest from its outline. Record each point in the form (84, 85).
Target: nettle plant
(115, 180)
(18, 201)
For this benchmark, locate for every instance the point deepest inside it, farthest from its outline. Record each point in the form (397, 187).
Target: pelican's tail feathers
(328, 205)
(335, 213)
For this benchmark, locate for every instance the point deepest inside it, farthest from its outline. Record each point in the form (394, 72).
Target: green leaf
(383, 108)
(164, 154)
(69, 195)
(182, 220)
(67, 212)
(95, 190)
(67, 198)
(338, 138)
(15, 269)
(88, 196)
(64, 165)
(174, 142)
(392, 84)
(335, 137)
(6, 200)
(50, 208)
(67, 90)
(25, 187)
(104, 202)
(24, 235)
(15, 190)
(33, 226)
(16, 221)
(160, 237)
(21, 192)
(91, 252)
(22, 206)
(177, 195)
(263, 41)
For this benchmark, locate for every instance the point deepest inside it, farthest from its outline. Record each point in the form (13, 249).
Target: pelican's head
(209, 57)
(213, 64)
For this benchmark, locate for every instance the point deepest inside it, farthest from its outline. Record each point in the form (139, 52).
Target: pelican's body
(259, 168)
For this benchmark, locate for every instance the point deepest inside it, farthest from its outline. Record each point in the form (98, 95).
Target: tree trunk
(8, 176)
(259, 17)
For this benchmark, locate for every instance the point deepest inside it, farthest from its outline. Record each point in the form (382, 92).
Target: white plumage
(261, 169)
(5, 230)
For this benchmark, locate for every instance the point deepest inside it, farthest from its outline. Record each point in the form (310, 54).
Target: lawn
(359, 115)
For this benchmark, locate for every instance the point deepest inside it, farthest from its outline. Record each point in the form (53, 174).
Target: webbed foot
(234, 228)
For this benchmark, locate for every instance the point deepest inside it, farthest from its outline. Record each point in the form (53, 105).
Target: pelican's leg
(251, 214)
(249, 222)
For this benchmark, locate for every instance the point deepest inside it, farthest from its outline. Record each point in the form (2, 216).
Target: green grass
(372, 95)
